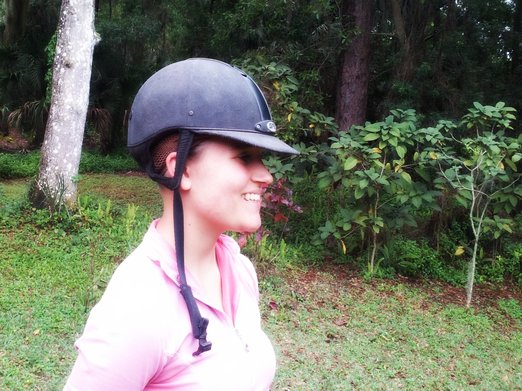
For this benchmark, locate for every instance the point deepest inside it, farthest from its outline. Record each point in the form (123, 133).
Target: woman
(181, 312)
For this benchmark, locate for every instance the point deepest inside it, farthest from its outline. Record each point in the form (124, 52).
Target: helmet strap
(199, 324)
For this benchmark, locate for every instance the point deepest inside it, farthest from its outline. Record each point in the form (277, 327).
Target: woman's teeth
(252, 197)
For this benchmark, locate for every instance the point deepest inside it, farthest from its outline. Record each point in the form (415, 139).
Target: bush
(417, 259)
(414, 259)
(504, 266)
(19, 165)
(25, 165)
(96, 163)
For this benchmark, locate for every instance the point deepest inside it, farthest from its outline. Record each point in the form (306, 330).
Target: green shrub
(414, 259)
(92, 162)
(24, 165)
(504, 266)
(19, 165)
(418, 259)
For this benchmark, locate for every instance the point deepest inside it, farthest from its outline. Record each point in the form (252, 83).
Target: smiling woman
(181, 312)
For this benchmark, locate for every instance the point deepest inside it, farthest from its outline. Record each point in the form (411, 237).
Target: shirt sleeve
(121, 347)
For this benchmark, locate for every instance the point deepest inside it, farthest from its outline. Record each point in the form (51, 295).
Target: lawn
(332, 330)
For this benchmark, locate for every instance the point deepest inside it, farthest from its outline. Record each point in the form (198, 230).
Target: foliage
(373, 169)
(295, 121)
(383, 174)
(93, 162)
(503, 267)
(55, 267)
(413, 259)
(19, 165)
(277, 206)
(23, 165)
(482, 168)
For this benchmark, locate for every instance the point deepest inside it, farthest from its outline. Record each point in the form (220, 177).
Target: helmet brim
(256, 139)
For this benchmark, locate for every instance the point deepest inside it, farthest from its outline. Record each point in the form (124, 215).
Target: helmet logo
(266, 127)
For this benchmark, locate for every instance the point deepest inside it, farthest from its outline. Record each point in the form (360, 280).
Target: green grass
(331, 330)
(340, 335)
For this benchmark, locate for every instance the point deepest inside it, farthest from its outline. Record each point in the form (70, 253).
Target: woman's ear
(170, 163)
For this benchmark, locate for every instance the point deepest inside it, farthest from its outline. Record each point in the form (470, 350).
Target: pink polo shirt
(139, 337)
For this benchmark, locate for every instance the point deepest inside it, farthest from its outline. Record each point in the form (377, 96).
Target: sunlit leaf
(343, 246)
(459, 251)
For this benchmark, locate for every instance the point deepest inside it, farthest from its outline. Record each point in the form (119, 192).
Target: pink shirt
(139, 337)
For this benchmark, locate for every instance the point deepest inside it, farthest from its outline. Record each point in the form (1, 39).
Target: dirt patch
(335, 278)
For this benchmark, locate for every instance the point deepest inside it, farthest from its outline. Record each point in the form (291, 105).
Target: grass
(339, 335)
(331, 329)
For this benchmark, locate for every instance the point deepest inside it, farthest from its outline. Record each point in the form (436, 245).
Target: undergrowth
(330, 331)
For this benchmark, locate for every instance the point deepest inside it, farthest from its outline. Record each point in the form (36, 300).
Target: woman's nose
(261, 174)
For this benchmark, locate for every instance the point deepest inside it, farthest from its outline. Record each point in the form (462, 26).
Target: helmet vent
(266, 127)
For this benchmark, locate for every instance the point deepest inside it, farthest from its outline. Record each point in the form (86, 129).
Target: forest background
(407, 188)
(405, 113)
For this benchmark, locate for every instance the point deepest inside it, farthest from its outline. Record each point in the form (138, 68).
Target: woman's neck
(199, 244)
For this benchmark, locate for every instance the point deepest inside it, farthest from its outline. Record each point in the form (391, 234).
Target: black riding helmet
(197, 96)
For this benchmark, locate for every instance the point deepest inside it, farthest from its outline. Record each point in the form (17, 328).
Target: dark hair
(163, 147)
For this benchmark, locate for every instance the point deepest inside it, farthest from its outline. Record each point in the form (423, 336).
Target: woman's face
(224, 184)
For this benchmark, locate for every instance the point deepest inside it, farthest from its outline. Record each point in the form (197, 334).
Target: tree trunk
(61, 149)
(352, 89)
(15, 20)
(410, 21)
(471, 272)
(516, 40)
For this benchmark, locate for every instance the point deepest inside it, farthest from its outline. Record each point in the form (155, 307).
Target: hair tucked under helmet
(197, 96)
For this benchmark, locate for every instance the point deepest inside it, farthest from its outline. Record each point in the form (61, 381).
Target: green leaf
(395, 132)
(371, 136)
(513, 201)
(401, 151)
(363, 183)
(462, 200)
(324, 182)
(358, 193)
(382, 181)
(374, 127)
(511, 165)
(406, 176)
(494, 149)
(350, 163)
(478, 106)
(423, 173)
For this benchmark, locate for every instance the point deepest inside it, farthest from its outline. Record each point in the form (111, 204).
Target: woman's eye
(247, 157)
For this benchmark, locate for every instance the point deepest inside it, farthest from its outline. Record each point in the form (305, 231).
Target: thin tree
(483, 170)
(61, 150)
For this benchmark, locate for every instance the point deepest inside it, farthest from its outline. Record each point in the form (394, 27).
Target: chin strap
(199, 324)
